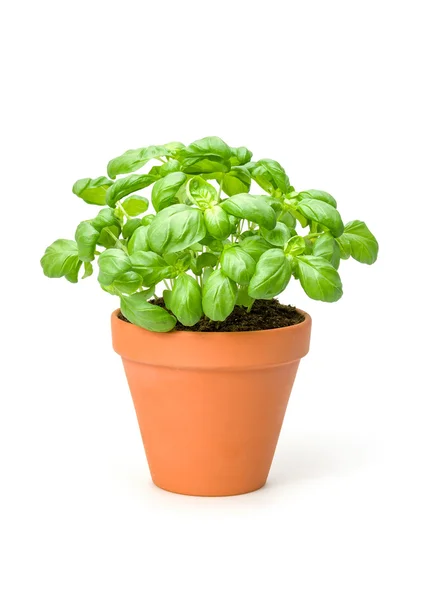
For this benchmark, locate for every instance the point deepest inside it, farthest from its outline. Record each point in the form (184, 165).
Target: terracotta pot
(210, 405)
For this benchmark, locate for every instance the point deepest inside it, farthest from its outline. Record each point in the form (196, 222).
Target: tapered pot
(210, 406)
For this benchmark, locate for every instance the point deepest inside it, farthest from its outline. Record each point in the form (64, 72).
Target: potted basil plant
(210, 359)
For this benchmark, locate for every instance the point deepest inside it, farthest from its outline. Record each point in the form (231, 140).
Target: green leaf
(112, 263)
(327, 247)
(212, 148)
(176, 228)
(318, 278)
(139, 240)
(323, 213)
(130, 227)
(237, 181)
(127, 283)
(217, 222)
(296, 246)
(109, 240)
(218, 296)
(146, 220)
(194, 166)
(61, 260)
(271, 176)
(344, 245)
(358, 241)
(171, 166)
(206, 259)
(252, 208)
(132, 160)
(174, 147)
(272, 274)
(317, 195)
(151, 267)
(255, 246)
(127, 185)
(240, 156)
(186, 302)
(86, 237)
(88, 270)
(201, 193)
(237, 264)
(139, 311)
(105, 218)
(208, 155)
(278, 236)
(165, 190)
(243, 298)
(92, 191)
(288, 219)
(135, 205)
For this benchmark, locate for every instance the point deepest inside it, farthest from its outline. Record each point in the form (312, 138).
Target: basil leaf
(317, 195)
(323, 213)
(92, 191)
(149, 316)
(296, 246)
(243, 298)
(212, 148)
(252, 208)
(288, 219)
(88, 270)
(112, 264)
(132, 160)
(218, 296)
(237, 264)
(109, 236)
(126, 283)
(139, 240)
(278, 236)
(146, 220)
(327, 247)
(206, 259)
(208, 155)
(127, 185)
(165, 190)
(194, 166)
(272, 274)
(237, 181)
(61, 260)
(186, 302)
(174, 147)
(176, 228)
(86, 237)
(130, 227)
(151, 267)
(318, 278)
(217, 222)
(201, 193)
(105, 218)
(271, 176)
(240, 156)
(359, 242)
(255, 246)
(135, 205)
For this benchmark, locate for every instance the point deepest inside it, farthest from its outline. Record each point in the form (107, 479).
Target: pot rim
(224, 350)
(300, 325)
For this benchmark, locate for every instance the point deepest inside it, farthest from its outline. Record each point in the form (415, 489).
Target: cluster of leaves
(213, 245)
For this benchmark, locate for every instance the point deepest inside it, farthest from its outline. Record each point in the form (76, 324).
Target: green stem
(118, 243)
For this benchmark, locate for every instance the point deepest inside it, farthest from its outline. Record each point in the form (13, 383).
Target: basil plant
(205, 235)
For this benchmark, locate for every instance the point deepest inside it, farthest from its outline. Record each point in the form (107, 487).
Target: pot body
(210, 406)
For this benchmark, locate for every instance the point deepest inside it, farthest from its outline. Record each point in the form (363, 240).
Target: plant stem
(118, 243)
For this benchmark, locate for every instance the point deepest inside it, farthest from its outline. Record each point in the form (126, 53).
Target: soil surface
(264, 314)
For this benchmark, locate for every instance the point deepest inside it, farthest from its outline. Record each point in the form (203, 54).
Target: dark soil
(264, 314)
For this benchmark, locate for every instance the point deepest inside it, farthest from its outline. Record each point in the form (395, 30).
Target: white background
(341, 93)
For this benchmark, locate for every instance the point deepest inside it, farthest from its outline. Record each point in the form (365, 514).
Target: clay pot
(210, 405)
